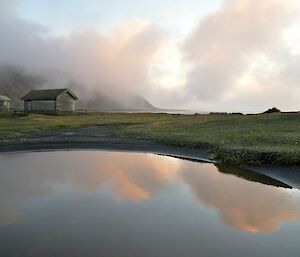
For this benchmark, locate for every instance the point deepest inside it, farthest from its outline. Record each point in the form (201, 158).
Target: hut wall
(65, 103)
(4, 105)
(39, 106)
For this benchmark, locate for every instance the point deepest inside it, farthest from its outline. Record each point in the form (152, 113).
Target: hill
(15, 83)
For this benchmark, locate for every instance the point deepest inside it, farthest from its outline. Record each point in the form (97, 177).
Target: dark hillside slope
(15, 83)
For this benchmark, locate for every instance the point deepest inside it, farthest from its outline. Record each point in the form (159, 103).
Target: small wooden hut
(4, 103)
(50, 101)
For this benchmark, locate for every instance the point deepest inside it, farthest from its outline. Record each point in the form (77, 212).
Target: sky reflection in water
(104, 194)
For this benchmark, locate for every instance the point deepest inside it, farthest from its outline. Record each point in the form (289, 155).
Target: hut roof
(4, 98)
(47, 94)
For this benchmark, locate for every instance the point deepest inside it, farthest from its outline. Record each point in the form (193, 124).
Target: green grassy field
(266, 138)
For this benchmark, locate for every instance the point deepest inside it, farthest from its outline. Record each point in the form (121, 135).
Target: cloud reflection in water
(242, 205)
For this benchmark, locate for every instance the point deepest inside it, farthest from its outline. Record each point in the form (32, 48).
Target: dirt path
(95, 137)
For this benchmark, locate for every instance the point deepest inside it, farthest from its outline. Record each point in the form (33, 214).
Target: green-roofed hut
(4, 103)
(50, 101)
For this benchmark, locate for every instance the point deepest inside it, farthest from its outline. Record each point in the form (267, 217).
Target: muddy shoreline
(102, 138)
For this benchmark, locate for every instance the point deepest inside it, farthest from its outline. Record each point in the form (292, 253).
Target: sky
(217, 55)
(63, 16)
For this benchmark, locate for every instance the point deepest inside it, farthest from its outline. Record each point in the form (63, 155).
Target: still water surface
(127, 204)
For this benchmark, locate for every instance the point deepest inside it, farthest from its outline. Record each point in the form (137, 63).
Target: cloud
(245, 56)
(239, 56)
(112, 63)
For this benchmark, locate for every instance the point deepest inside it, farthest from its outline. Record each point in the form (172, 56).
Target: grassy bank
(267, 138)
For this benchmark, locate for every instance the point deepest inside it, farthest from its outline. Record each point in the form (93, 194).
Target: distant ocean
(183, 112)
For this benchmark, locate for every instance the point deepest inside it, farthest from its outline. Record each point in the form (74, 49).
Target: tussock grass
(266, 138)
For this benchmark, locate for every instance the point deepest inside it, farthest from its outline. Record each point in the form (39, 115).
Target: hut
(50, 101)
(4, 103)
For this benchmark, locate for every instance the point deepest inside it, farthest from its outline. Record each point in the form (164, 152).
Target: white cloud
(240, 57)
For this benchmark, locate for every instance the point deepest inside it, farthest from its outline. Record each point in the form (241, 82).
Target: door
(29, 106)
